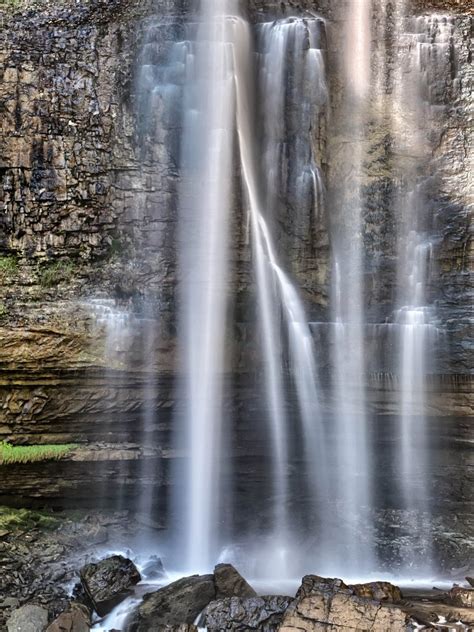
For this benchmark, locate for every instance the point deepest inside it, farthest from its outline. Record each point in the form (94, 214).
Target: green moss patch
(13, 519)
(10, 454)
(8, 265)
(58, 272)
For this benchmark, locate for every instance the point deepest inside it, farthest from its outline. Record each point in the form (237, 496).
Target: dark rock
(254, 613)
(329, 604)
(230, 583)
(313, 583)
(108, 582)
(184, 627)
(75, 619)
(180, 602)
(28, 618)
(461, 597)
(470, 581)
(154, 568)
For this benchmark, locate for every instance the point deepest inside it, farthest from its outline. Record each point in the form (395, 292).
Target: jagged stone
(108, 582)
(28, 618)
(378, 591)
(230, 583)
(178, 603)
(321, 605)
(75, 619)
(236, 614)
(461, 597)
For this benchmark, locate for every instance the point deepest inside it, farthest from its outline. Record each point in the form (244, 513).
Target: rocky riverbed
(58, 574)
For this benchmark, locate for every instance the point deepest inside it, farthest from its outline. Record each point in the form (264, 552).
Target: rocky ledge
(57, 576)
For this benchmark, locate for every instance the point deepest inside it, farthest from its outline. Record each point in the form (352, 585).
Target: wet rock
(230, 583)
(321, 604)
(379, 591)
(461, 597)
(108, 582)
(154, 568)
(180, 602)
(9, 602)
(184, 627)
(75, 619)
(254, 613)
(28, 618)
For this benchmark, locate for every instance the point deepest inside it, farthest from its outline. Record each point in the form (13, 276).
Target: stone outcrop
(108, 582)
(178, 603)
(321, 604)
(245, 614)
(75, 619)
(28, 618)
(230, 583)
(462, 597)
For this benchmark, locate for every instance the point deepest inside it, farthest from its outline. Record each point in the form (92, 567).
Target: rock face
(179, 603)
(176, 628)
(88, 208)
(244, 614)
(322, 604)
(75, 619)
(230, 583)
(462, 597)
(377, 591)
(28, 619)
(108, 582)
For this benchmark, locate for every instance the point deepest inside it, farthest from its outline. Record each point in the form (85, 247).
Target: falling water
(205, 207)
(353, 464)
(426, 54)
(219, 70)
(211, 78)
(276, 293)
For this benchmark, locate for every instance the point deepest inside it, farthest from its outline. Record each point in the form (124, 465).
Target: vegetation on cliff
(10, 454)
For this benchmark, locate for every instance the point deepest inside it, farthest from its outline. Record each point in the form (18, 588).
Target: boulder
(470, 581)
(178, 603)
(108, 582)
(461, 597)
(75, 619)
(241, 614)
(184, 627)
(329, 604)
(28, 618)
(379, 591)
(230, 583)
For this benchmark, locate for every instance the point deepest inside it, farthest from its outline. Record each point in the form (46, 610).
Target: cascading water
(205, 207)
(218, 71)
(427, 50)
(266, 132)
(353, 475)
(289, 54)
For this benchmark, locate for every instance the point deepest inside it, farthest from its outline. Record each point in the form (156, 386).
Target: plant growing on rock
(10, 454)
(11, 519)
(8, 266)
(55, 273)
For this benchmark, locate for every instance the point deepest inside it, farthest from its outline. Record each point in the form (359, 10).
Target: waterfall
(218, 100)
(253, 104)
(353, 475)
(205, 207)
(276, 293)
(425, 53)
